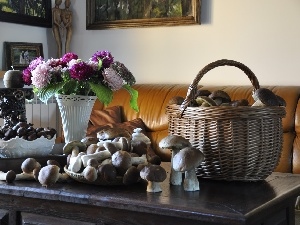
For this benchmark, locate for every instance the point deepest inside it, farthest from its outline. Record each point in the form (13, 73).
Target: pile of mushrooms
(184, 159)
(114, 155)
(205, 98)
(32, 170)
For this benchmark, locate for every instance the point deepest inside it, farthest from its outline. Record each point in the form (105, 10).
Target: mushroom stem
(25, 176)
(63, 177)
(175, 176)
(191, 182)
(153, 186)
(139, 160)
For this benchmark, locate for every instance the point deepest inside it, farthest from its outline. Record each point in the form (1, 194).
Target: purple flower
(80, 71)
(27, 76)
(105, 56)
(68, 57)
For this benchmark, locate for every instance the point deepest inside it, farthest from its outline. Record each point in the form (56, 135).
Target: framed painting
(35, 13)
(18, 55)
(107, 14)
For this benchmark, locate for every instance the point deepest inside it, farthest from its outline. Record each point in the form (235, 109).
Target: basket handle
(222, 62)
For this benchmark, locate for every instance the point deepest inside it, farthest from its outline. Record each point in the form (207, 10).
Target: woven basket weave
(239, 143)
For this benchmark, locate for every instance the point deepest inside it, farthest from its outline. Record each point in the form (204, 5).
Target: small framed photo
(18, 55)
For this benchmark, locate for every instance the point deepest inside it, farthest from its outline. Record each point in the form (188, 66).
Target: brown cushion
(105, 116)
(129, 125)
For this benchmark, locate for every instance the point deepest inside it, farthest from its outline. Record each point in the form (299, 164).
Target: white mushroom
(139, 160)
(186, 160)
(76, 163)
(174, 143)
(99, 156)
(48, 175)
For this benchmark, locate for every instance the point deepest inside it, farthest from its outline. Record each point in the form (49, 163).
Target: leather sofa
(153, 99)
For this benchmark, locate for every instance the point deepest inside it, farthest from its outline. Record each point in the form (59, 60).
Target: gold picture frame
(110, 14)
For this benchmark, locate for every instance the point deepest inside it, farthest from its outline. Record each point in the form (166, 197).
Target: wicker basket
(239, 143)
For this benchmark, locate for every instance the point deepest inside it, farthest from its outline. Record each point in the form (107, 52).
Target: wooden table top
(232, 200)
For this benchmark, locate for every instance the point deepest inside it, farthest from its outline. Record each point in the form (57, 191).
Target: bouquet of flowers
(69, 75)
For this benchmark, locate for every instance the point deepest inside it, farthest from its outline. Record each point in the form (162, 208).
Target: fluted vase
(75, 111)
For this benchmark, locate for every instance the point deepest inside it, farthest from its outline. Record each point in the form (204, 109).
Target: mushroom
(236, 103)
(137, 135)
(174, 143)
(67, 149)
(131, 176)
(90, 173)
(111, 147)
(48, 175)
(111, 133)
(89, 140)
(205, 101)
(220, 97)
(186, 160)
(154, 175)
(202, 92)
(122, 161)
(139, 147)
(92, 148)
(264, 97)
(9, 176)
(76, 162)
(29, 164)
(107, 172)
(99, 156)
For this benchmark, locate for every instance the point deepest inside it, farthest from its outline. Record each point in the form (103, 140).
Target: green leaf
(69, 87)
(103, 93)
(134, 97)
(46, 93)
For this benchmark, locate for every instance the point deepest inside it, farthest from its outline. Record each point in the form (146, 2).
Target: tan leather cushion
(104, 116)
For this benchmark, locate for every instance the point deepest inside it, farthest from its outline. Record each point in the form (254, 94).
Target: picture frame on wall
(28, 12)
(18, 55)
(108, 14)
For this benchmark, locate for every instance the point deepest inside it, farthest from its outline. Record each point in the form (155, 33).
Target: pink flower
(112, 79)
(41, 76)
(68, 57)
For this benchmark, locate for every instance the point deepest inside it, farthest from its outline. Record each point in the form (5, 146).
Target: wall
(264, 35)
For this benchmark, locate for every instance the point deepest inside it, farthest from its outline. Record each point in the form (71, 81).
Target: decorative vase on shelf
(75, 112)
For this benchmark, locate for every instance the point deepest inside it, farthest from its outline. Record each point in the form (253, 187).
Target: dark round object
(13, 79)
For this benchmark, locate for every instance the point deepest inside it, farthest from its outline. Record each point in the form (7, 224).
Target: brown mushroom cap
(266, 96)
(187, 158)
(139, 147)
(281, 101)
(202, 92)
(131, 176)
(29, 164)
(174, 142)
(240, 102)
(121, 160)
(107, 172)
(10, 176)
(220, 94)
(67, 149)
(110, 147)
(48, 175)
(153, 173)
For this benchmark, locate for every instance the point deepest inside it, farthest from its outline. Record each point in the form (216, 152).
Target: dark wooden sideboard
(266, 202)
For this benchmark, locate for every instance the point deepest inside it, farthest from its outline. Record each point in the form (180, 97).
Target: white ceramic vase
(75, 111)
